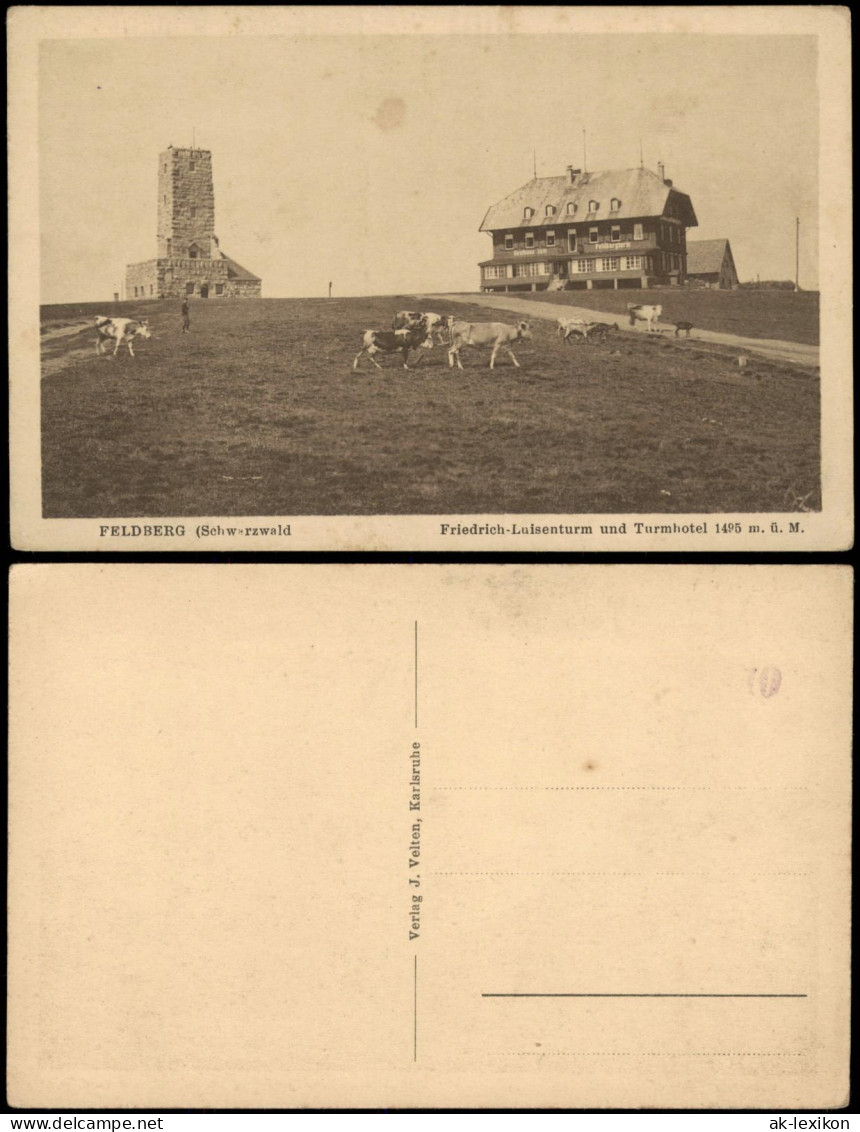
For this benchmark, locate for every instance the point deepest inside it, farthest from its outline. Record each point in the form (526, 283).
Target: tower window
(189, 288)
(191, 166)
(193, 212)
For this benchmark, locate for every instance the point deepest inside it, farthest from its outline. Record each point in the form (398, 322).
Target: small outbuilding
(710, 263)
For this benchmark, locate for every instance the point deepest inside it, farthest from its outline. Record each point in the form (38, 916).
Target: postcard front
(328, 282)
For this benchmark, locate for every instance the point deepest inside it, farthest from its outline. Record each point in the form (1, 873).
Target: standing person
(186, 318)
(329, 290)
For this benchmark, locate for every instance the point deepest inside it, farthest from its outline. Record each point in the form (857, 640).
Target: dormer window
(528, 213)
(571, 207)
(550, 210)
(593, 205)
(614, 204)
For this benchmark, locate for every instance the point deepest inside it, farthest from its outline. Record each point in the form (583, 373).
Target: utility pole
(797, 253)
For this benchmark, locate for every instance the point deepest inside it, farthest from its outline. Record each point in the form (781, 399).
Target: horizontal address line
(573, 995)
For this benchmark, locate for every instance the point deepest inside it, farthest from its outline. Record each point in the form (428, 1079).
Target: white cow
(648, 314)
(121, 330)
(498, 335)
(574, 328)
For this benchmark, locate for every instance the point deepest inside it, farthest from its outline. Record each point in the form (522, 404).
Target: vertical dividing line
(415, 1013)
(416, 673)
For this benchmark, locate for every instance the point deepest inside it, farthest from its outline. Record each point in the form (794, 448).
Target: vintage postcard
(429, 836)
(440, 279)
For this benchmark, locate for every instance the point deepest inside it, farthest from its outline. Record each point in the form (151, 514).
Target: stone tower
(186, 204)
(189, 260)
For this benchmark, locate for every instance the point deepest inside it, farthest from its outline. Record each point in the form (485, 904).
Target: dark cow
(679, 326)
(599, 330)
(390, 341)
(414, 320)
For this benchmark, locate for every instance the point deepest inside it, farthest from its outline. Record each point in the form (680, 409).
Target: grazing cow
(121, 330)
(679, 326)
(574, 328)
(599, 330)
(498, 335)
(412, 320)
(640, 313)
(389, 341)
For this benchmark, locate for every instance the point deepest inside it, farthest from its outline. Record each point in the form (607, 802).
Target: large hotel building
(621, 228)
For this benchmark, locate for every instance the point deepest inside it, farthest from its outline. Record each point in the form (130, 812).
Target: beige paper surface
(631, 840)
(113, 434)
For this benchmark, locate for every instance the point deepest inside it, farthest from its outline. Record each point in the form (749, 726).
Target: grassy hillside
(258, 412)
(753, 314)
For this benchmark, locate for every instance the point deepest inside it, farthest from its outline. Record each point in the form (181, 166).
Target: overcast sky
(371, 160)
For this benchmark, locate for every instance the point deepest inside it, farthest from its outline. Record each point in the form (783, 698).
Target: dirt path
(796, 352)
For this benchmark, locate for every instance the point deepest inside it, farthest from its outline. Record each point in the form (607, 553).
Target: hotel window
(219, 288)
(614, 204)
(530, 239)
(637, 232)
(545, 268)
(632, 262)
(509, 243)
(609, 263)
(494, 271)
(550, 239)
(571, 207)
(592, 235)
(593, 205)
(550, 210)
(527, 269)
(615, 234)
(528, 213)
(571, 239)
(583, 266)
